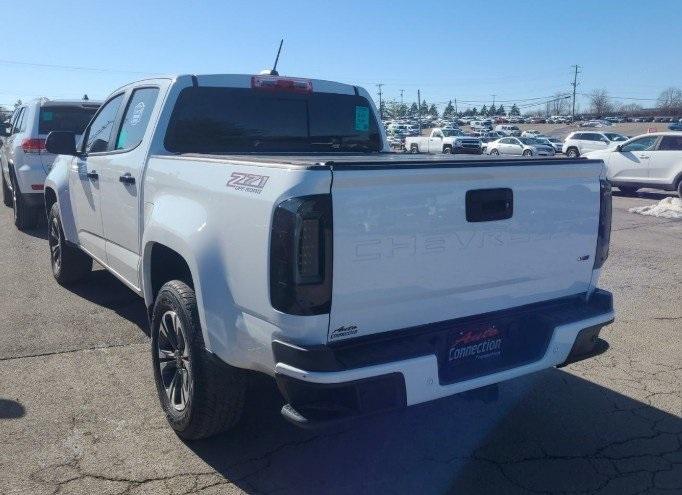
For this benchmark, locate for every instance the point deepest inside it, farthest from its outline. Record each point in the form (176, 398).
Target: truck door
(436, 142)
(84, 177)
(121, 183)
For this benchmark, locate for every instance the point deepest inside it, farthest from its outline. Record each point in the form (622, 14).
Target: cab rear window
(235, 120)
(65, 118)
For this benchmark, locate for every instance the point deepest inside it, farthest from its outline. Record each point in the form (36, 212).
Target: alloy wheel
(55, 243)
(174, 360)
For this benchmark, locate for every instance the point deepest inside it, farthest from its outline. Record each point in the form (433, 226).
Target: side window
(136, 118)
(671, 143)
(99, 132)
(438, 134)
(19, 122)
(577, 136)
(641, 144)
(516, 142)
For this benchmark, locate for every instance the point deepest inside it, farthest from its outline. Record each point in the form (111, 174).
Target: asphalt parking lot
(79, 413)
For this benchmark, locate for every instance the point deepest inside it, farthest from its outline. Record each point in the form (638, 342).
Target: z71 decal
(252, 183)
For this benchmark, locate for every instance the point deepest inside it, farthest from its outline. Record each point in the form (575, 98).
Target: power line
(72, 67)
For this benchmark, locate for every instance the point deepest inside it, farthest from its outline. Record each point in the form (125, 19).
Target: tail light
(276, 83)
(33, 145)
(301, 256)
(604, 233)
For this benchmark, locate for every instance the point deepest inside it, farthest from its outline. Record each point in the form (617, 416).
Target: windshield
(530, 141)
(615, 137)
(452, 132)
(65, 118)
(234, 120)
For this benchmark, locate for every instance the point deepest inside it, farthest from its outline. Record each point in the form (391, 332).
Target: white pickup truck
(268, 229)
(448, 141)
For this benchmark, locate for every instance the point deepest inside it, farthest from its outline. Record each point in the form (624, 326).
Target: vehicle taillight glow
(37, 187)
(33, 145)
(275, 83)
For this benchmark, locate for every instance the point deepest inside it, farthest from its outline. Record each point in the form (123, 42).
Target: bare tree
(670, 99)
(631, 108)
(558, 105)
(599, 101)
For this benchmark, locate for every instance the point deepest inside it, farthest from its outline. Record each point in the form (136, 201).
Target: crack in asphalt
(70, 351)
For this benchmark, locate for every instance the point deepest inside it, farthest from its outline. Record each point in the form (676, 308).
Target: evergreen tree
(514, 110)
(484, 110)
(501, 110)
(449, 110)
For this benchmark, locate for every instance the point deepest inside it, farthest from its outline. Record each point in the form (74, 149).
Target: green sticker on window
(122, 139)
(361, 118)
(47, 116)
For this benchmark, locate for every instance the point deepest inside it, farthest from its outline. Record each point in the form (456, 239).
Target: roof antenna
(273, 71)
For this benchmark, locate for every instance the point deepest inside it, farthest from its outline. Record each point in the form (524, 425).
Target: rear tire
(200, 395)
(679, 189)
(527, 153)
(628, 191)
(6, 193)
(69, 264)
(25, 217)
(414, 149)
(572, 153)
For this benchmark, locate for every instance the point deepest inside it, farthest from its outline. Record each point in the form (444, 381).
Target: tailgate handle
(487, 205)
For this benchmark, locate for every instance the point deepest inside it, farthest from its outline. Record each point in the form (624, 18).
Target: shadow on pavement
(548, 432)
(10, 409)
(103, 289)
(645, 194)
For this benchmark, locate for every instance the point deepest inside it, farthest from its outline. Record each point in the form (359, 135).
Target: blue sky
(465, 50)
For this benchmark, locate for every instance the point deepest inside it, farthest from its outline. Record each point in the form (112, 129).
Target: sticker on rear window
(361, 118)
(46, 116)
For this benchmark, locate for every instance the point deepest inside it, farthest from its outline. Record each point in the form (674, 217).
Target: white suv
(578, 143)
(23, 158)
(650, 160)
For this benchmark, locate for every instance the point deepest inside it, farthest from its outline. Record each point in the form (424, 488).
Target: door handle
(644, 157)
(127, 178)
(92, 175)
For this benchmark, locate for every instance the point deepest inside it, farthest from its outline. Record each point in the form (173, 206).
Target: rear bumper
(330, 383)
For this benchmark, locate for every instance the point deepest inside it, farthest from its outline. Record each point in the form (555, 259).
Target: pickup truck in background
(448, 141)
(268, 230)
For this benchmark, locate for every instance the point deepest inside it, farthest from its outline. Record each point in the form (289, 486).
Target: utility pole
(494, 99)
(419, 110)
(455, 106)
(575, 85)
(401, 96)
(381, 104)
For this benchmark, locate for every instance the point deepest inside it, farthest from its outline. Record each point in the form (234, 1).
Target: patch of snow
(666, 208)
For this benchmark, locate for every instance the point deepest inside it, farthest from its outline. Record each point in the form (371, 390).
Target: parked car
(530, 133)
(676, 126)
(578, 143)
(481, 125)
(223, 220)
(444, 141)
(519, 146)
(23, 158)
(647, 161)
(550, 141)
(508, 129)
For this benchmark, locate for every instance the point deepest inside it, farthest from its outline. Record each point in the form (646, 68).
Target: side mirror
(5, 130)
(61, 143)
(619, 148)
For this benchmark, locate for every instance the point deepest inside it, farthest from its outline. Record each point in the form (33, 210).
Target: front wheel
(494, 152)
(199, 394)
(414, 149)
(447, 150)
(679, 189)
(69, 264)
(572, 153)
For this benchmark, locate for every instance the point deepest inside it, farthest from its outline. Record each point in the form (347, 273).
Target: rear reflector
(37, 187)
(33, 145)
(274, 83)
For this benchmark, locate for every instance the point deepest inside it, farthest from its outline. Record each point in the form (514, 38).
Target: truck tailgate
(422, 244)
